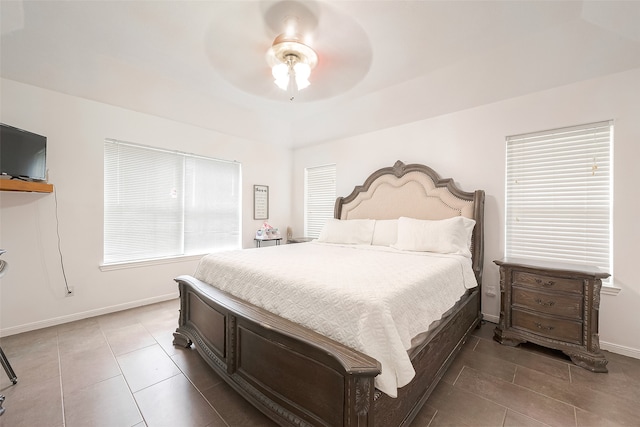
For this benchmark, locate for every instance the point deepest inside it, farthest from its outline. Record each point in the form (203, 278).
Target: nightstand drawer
(548, 282)
(559, 329)
(548, 302)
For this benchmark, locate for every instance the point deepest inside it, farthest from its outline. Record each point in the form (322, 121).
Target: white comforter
(371, 298)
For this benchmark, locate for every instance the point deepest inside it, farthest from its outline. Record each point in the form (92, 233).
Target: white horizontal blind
(319, 198)
(212, 205)
(558, 195)
(161, 203)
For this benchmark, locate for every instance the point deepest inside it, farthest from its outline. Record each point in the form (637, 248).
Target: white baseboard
(620, 349)
(84, 315)
(491, 318)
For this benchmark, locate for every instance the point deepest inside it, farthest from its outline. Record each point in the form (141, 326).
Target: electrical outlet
(70, 292)
(491, 291)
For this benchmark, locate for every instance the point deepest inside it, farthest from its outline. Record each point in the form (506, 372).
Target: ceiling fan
(274, 50)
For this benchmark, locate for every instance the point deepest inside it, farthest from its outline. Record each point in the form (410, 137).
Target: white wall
(469, 146)
(32, 292)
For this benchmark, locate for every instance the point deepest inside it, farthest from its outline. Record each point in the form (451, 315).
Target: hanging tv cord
(64, 274)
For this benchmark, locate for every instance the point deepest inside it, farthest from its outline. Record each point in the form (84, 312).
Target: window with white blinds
(319, 198)
(558, 195)
(160, 203)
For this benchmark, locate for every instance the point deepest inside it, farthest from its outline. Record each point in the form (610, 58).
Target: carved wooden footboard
(292, 374)
(298, 377)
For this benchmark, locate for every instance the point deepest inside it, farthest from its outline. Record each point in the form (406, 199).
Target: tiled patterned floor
(122, 370)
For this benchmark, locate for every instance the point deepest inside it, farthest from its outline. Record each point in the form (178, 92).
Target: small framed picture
(260, 202)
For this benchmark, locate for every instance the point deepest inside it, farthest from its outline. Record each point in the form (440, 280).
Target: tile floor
(121, 369)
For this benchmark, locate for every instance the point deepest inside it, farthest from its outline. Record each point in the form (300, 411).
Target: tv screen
(22, 154)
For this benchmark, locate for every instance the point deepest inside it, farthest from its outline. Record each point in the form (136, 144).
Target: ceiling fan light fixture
(291, 63)
(302, 73)
(281, 75)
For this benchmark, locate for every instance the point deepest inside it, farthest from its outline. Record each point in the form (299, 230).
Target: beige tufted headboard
(415, 191)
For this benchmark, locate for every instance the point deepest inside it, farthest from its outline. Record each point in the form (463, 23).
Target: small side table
(554, 305)
(259, 241)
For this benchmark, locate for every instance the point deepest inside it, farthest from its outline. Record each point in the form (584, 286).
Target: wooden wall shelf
(17, 185)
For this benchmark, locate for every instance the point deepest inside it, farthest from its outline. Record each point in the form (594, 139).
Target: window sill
(148, 262)
(610, 290)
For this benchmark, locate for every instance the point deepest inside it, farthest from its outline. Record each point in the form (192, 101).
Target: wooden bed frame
(298, 377)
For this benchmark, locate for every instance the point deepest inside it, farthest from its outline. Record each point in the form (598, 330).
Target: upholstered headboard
(415, 191)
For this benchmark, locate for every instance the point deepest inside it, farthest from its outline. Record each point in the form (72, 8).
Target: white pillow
(385, 232)
(348, 231)
(446, 236)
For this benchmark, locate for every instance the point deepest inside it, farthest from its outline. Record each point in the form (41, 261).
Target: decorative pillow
(348, 231)
(446, 236)
(385, 232)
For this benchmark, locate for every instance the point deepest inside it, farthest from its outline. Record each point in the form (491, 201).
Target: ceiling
(381, 63)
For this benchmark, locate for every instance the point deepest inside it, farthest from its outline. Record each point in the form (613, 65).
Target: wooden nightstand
(554, 305)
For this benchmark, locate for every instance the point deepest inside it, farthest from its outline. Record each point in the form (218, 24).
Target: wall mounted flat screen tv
(23, 154)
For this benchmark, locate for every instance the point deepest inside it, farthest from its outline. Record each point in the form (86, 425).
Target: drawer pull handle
(546, 328)
(545, 304)
(546, 284)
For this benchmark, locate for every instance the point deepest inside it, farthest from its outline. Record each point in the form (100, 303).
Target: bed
(302, 370)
